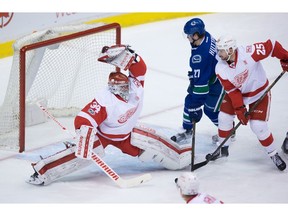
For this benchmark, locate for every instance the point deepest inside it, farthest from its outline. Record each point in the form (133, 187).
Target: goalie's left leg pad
(160, 148)
(167, 162)
(58, 165)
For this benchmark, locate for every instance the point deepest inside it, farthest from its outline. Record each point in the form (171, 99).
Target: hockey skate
(35, 180)
(184, 137)
(215, 138)
(223, 152)
(277, 160)
(284, 146)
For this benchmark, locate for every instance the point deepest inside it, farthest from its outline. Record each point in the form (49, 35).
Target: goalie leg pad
(58, 165)
(160, 149)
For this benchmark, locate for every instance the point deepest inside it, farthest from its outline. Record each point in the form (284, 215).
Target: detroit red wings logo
(5, 18)
(240, 79)
(123, 118)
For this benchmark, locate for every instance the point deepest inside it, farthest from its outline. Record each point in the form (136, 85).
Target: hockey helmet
(225, 42)
(188, 183)
(118, 84)
(194, 26)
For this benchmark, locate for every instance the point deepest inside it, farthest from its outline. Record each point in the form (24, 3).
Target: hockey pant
(60, 164)
(259, 128)
(160, 149)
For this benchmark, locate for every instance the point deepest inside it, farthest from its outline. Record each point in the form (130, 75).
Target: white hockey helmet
(118, 84)
(225, 42)
(188, 183)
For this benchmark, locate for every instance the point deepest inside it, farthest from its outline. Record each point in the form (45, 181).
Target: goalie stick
(210, 156)
(123, 183)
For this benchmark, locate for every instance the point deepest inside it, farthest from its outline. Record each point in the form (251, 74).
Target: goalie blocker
(155, 147)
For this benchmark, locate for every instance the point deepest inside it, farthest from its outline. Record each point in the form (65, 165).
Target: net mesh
(64, 75)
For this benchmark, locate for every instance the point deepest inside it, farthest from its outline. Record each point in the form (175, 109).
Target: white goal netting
(62, 75)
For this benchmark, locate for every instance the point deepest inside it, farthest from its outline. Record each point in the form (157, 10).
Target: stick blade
(132, 182)
(199, 165)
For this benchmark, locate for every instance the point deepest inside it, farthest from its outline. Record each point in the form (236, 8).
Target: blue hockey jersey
(203, 80)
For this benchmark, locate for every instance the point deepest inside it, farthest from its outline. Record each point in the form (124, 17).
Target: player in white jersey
(110, 119)
(244, 79)
(188, 184)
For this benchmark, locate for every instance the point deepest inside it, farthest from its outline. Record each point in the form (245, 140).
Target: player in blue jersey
(205, 92)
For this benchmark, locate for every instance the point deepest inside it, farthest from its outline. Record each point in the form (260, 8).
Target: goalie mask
(188, 183)
(119, 85)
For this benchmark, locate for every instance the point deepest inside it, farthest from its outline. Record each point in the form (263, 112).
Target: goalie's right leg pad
(57, 165)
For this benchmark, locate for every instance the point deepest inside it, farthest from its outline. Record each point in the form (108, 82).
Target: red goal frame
(22, 62)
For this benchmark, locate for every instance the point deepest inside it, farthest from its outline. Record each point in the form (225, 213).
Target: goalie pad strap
(87, 142)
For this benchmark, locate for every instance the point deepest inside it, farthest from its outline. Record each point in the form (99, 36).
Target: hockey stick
(123, 183)
(193, 146)
(210, 156)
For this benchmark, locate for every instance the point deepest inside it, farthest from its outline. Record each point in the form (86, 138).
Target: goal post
(58, 68)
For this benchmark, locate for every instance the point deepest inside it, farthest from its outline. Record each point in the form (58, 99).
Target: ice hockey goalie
(110, 118)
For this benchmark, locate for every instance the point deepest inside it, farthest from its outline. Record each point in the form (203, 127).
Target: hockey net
(58, 68)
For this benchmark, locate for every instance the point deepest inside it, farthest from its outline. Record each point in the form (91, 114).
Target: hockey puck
(176, 180)
(208, 157)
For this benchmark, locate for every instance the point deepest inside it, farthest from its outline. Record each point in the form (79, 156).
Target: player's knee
(213, 116)
(260, 129)
(225, 121)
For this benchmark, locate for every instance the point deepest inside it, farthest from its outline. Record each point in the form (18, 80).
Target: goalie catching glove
(118, 55)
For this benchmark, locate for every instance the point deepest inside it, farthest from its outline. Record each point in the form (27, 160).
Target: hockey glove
(121, 56)
(284, 64)
(195, 114)
(241, 115)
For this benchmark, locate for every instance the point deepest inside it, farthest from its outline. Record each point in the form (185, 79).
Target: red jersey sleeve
(264, 49)
(279, 52)
(93, 114)
(138, 69)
